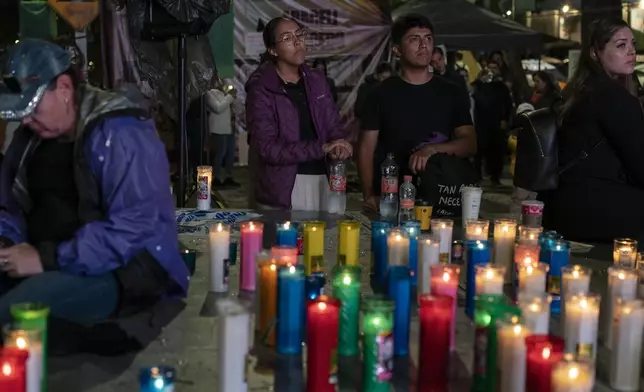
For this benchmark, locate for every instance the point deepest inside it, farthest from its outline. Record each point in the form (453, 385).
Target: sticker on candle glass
(585, 350)
(480, 353)
(333, 367)
(317, 263)
(385, 364)
(202, 188)
(338, 183)
(554, 286)
(457, 251)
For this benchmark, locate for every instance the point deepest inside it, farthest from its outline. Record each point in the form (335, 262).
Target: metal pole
(181, 193)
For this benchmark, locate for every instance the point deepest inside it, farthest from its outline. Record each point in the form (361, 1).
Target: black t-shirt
(297, 94)
(408, 115)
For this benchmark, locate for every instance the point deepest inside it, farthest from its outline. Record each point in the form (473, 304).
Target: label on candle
(554, 285)
(480, 351)
(444, 258)
(317, 263)
(338, 183)
(300, 245)
(389, 185)
(585, 350)
(385, 365)
(333, 367)
(457, 251)
(202, 188)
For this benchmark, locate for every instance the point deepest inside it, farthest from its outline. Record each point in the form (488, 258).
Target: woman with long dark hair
(293, 124)
(601, 139)
(546, 91)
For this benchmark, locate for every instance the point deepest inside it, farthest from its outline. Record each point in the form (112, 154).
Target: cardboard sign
(78, 13)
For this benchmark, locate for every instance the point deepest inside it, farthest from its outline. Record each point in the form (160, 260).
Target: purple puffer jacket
(274, 131)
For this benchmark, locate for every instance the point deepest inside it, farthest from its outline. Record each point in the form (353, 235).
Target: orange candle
(267, 300)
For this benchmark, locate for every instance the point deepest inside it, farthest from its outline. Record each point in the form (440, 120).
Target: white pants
(310, 193)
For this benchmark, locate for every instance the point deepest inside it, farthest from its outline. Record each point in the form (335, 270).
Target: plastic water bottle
(337, 202)
(389, 189)
(407, 200)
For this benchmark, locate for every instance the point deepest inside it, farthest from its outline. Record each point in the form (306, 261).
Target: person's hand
(20, 260)
(340, 144)
(418, 160)
(341, 152)
(371, 204)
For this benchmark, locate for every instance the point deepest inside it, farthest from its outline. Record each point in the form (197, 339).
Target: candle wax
(543, 353)
(436, 321)
(348, 243)
(322, 344)
(267, 301)
(446, 283)
(251, 244)
(290, 309)
(511, 361)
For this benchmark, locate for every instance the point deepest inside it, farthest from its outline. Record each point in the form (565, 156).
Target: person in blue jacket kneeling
(86, 216)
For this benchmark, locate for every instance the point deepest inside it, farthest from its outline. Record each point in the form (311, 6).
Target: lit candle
(546, 241)
(558, 257)
(346, 288)
(314, 286)
(543, 352)
(529, 235)
(322, 344)
(30, 342)
(626, 353)
(478, 253)
(33, 317)
(284, 254)
(532, 278)
(625, 252)
(423, 213)
(569, 375)
(204, 184)
(233, 343)
(12, 370)
(267, 301)
(428, 255)
(477, 229)
(524, 254)
(286, 234)
(489, 279)
(219, 241)
(580, 328)
(189, 257)
(290, 309)
(575, 279)
(535, 309)
(397, 248)
(444, 281)
(348, 242)
(399, 290)
(379, 231)
(412, 228)
(489, 310)
(505, 232)
(444, 229)
(377, 344)
(436, 320)
(251, 244)
(622, 283)
(313, 242)
(511, 361)
(157, 379)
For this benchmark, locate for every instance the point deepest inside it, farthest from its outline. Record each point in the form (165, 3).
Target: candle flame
(583, 303)
(382, 231)
(273, 267)
(517, 329)
(21, 343)
(489, 274)
(621, 276)
(314, 228)
(220, 227)
(398, 237)
(7, 370)
(186, 251)
(376, 321)
(479, 230)
(527, 260)
(347, 280)
(291, 269)
(626, 310)
(251, 227)
(506, 229)
(534, 307)
(287, 225)
(442, 225)
(445, 276)
(514, 319)
(575, 274)
(573, 373)
(531, 236)
(480, 245)
(546, 353)
(528, 270)
(322, 306)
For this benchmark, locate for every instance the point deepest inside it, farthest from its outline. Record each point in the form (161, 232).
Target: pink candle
(444, 281)
(285, 254)
(251, 244)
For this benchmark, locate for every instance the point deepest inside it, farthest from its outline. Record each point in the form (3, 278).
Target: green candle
(346, 288)
(378, 343)
(33, 317)
(489, 309)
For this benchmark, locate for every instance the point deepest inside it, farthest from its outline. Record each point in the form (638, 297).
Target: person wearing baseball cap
(86, 220)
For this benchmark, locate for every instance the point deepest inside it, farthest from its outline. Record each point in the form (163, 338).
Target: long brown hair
(601, 32)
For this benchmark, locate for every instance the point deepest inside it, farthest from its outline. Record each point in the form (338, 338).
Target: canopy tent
(461, 25)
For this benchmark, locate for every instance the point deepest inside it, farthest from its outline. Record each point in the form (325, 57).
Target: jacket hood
(96, 102)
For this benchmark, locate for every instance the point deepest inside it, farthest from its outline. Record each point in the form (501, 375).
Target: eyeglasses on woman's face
(290, 38)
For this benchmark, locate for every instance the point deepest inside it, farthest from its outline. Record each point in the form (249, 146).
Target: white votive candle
(581, 324)
(511, 355)
(477, 229)
(444, 228)
(535, 310)
(529, 235)
(204, 186)
(489, 279)
(575, 279)
(219, 239)
(625, 252)
(625, 364)
(573, 376)
(622, 283)
(532, 278)
(234, 330)
(505, 233)
(397, 248)
(428, 255)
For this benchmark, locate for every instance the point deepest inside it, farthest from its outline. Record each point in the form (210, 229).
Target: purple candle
(251, 244)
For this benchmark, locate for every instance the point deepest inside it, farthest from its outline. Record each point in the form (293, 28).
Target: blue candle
(286, 234)
(157, 379)
(558, 257)
(546, 240)
(478, 252)
(314, 286)
(379, 231)
(290, 309)
(399, 290)
(412, 227)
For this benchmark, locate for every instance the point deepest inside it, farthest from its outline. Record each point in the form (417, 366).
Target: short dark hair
(383, 67)
(407, 22)
(438, 49)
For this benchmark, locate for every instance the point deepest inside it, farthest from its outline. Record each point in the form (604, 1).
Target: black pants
(494, 151)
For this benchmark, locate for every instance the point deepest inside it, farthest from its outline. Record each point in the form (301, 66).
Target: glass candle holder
(397, 248)
(529, 235)
(31, 343)
(532, 278)
(478, 253)
(570, 375)
(626, 353)
(13, 375)
(581, 325)
(535, 309)
(286, 234)
(189, 257)
(399, 290)
(219, 244)
(511, 354)
(505, 233)
(313, 242)
(622, 283)
(444, 281)
(348, 243)
(346, 288)
(204, 187)
(251, 243)
(436, 319)
(444, 228)
(489, 279)
(558, 257)
(625, 252)
(423, 213)
(157, 379)
(234, 326)
(290, 309)
(575, 279)
(378, 343)
(33, 317)
(284, 254)
(546, 241)
(428, 255)
(266, 319)
(543, 352)
(379, 230)
(477, 229)
(412, 228)
(322, 323)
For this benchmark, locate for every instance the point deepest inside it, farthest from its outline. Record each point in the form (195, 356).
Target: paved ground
(189, 341)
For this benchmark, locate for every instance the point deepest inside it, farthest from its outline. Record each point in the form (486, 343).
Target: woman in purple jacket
(293, 124)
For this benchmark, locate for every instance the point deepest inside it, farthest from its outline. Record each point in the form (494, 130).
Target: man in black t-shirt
(413, 115)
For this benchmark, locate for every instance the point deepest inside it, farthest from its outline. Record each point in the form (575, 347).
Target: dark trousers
(223, 149)
(493, 149)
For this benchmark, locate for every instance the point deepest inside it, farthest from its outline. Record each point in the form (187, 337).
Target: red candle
(322, 318)
(543, 352)
(12, 370)
(436, 320)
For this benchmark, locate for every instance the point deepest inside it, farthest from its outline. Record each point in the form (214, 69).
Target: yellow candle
(348, 242)
(267, 300)
(313, 241)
